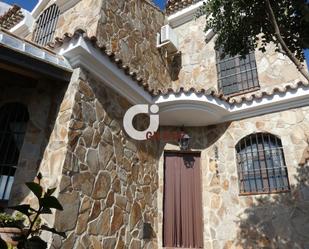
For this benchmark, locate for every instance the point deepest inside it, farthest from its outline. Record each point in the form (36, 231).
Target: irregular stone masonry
(196, 69)
(261, 221)
(126, 32)
(108, 183)
(111, 185)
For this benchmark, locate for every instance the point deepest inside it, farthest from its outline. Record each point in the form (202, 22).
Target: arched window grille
(236, 75)
(46, 25)
(261, 165)
(13, 123)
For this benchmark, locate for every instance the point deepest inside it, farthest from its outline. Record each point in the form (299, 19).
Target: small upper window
(46, 25)
(13, 123)
(261, 165)
(236, 74)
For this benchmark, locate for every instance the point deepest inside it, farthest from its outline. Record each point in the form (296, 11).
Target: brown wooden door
(183, 217)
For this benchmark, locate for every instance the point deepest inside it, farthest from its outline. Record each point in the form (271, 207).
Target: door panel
(183, 222)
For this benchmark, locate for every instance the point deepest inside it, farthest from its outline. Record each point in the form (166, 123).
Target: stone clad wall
(261, 221)
(275, 221)
(198, 61)
(129, 29)
(109, 183)
(42, 101)
(84, 15)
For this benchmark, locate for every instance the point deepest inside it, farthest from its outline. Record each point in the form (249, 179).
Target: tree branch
(278, 35)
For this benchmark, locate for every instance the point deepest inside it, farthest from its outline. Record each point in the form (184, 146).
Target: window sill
(241, 92)
(264, 193)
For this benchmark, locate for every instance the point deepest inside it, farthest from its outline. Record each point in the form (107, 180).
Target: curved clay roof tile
(58, 41)
(175, 5)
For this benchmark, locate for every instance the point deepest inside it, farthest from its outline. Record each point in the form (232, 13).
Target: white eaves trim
(269, 104)
(23, 28)
(176, 109)
(185, 15)
(81, 53)
(205, 106)
(169, 101)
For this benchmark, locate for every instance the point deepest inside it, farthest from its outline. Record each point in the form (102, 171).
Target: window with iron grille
(46, 25)
(236, 74)
(261, 165)
(13, 123)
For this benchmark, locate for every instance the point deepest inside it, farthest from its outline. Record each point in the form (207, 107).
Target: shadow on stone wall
(175, 66)
(42, 99)
(201, 137)
(280, 221)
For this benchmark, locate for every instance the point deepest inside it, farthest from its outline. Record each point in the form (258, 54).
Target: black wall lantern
(184, 141)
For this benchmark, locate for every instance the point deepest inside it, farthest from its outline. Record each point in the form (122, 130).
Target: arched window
(236, 75)
(13, 124)
(46, 25)
(261, 164)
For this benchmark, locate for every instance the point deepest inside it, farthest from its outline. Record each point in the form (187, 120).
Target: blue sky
(26, 4)
(307, 56)
(29, 4)
(160, 3)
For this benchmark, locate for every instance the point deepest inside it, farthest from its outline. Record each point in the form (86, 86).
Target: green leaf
(24, 209)
(36, 242)
(53, 230)
(35, 188)
(50, 191)
(51, 202)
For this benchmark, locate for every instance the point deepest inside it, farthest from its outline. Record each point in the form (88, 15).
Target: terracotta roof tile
(11, 18)
(59, 41)
(175, 5)
(267, 92)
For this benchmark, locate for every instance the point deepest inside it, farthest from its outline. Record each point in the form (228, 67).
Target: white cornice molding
(23, 28)
(205, 106)
(185, 15)
(292, 98)
(81, 53)
(176, 109)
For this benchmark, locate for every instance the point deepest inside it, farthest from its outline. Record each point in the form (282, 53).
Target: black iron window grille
(46, 25)
(261, 165)
(13, 124)
(236, 74)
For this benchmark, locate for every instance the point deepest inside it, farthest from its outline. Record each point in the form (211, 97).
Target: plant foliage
(7, 220)
(243, 25)
(46, 203)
